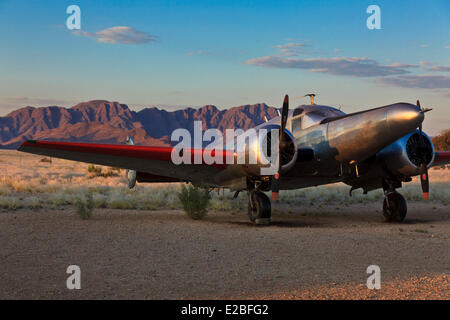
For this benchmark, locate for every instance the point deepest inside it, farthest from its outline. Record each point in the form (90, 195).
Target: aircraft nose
(404, 117)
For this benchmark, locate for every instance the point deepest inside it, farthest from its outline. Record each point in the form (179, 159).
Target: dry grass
(28, 181)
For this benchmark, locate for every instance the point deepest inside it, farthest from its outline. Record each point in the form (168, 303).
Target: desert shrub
(195, 201)
(111, 172)
(49, 160)
(94, 169)
(10, 203)
(85, 206)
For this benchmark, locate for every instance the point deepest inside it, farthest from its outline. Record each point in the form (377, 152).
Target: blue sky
(226, 53)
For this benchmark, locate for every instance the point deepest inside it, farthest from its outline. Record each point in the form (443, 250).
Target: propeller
(423, 170)
(281, 145)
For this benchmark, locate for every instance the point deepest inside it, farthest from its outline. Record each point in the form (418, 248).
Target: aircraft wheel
(394, 207)
(260, 211)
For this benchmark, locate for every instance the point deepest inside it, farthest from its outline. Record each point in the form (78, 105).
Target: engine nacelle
(404, 156)
(258, 150)
(289, 152)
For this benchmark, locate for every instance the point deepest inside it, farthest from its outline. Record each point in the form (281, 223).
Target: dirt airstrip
(162, 254)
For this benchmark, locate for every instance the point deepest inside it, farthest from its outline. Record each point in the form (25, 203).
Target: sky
(175, 54)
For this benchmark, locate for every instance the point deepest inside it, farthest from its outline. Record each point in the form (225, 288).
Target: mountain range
(103, 121)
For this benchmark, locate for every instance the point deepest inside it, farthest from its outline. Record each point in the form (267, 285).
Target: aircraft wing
(153, 160)
(441, 158)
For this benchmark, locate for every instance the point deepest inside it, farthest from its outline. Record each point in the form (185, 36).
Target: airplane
(377, 148)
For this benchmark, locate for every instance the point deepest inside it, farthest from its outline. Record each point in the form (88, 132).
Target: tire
(261, 211)
(396, 211)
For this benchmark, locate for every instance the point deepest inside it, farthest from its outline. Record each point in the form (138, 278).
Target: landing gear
(394, 207)
(259, 209)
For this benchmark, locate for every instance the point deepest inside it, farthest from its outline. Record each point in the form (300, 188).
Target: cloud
(403, 65)
(425, 63)
(440, 68)
(290, 45)
(123, 35)
(347, 66)
(435, 68)
(425, 81)
(291, 49)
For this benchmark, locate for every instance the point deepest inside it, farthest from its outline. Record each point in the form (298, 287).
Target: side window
(296, 124)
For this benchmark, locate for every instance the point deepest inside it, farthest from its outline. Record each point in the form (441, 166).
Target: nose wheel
(259, 208)
(394, 207)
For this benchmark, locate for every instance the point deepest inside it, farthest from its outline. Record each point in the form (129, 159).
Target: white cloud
(440, 68)
(426, 81)
(290, 45)
(425, 63)
(291, 49)
(123, 35)
(348, 66)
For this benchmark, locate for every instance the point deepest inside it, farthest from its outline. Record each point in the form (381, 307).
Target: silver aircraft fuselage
(339, 141)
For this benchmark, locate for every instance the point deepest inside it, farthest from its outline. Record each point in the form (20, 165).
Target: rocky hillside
(110, 122)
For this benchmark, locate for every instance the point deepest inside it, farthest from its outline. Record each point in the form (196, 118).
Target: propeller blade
(284, 116)
(424, 181)
(276, 176)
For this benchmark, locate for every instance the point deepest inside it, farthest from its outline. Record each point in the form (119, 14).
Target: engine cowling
(404, 156)
(289, 151)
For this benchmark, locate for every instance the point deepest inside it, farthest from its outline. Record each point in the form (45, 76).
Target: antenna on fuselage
(311, 96)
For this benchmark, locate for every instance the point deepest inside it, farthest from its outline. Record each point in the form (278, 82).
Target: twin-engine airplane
(376, 148)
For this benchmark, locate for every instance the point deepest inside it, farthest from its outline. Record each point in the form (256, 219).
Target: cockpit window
(312, 118)
(296, 124)
(298, 111)
(302, 119)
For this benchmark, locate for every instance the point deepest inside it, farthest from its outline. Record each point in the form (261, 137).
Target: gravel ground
(164, 255)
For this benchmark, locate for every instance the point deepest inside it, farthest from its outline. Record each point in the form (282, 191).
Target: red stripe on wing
(141, 152)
